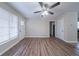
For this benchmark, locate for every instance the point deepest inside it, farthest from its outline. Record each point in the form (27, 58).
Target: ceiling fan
(45, 8)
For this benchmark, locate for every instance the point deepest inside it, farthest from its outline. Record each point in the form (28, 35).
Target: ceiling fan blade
(41, 4)
(56, 4)
(50, 12)
(46, 5)
(37, 11)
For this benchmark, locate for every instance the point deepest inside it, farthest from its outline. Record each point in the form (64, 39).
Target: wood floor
(42, 47)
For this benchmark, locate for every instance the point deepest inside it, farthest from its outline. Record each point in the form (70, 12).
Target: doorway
(78, 29)
(52, 28)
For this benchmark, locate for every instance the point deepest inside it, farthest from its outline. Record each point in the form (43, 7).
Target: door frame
(50, 27)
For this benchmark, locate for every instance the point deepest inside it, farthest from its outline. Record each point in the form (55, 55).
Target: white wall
(21, 27)
(60, 29)
(66, 27)
(37, 28)
(71, 27)
(4, 47)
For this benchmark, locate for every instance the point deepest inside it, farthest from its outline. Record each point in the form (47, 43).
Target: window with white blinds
(8, 26)
(13, 27)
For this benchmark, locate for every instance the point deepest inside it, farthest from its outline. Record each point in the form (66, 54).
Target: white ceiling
(27, 8)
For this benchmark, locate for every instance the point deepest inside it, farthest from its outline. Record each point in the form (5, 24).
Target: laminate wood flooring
(42, 47)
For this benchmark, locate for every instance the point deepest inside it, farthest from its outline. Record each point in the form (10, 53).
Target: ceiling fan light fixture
(45, 13)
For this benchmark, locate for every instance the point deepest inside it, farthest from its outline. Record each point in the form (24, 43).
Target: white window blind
(13, 27)
(8, 26)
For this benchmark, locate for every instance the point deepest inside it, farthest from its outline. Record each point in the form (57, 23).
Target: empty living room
(39, 28)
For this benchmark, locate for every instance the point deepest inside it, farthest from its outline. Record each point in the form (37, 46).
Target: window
(13, 27)
(8, 26)
(4, 30)
(78, 25)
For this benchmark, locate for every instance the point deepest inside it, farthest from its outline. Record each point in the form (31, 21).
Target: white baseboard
(71, 41)
(68, 41)
(37, 36)
(9, 47)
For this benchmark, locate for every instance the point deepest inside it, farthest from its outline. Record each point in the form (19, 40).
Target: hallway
(42, 47)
